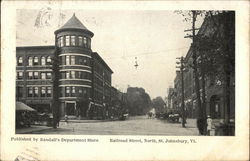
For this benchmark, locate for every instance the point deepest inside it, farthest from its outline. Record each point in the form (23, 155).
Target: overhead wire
(146, 53)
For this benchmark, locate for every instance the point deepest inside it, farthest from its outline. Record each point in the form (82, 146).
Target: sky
(153, 38)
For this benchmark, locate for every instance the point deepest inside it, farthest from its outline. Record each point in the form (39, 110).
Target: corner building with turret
(85, 78)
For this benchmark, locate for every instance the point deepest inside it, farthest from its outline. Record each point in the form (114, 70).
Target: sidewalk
(30, 130)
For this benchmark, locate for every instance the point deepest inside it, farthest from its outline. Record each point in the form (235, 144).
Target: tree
(158, 103)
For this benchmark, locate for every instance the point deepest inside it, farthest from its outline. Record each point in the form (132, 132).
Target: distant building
(85, 78)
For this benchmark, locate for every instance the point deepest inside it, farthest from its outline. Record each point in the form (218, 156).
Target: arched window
(43, 61)
(30, 59)
(48, 61)
(36, 60)
(20, 61)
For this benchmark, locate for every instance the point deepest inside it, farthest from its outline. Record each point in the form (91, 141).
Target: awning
(23, 107)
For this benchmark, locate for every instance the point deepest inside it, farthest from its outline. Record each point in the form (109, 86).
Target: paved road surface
(139, 125)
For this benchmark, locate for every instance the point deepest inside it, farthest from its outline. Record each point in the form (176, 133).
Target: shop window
(43, 91)
(35, 75)
(85, 41)
(73, 60)
(30, 91)
(43, 61)
(43, 75)
(30, 60)
(67, 60)
(48, 75)
(67, 92)
(19, 75)
(48, 91)
(36, 60)
(67, 41)
(35, 91)
(30, 75)
(80, 41)
(48, 61)
(20, 61)
(73, 40)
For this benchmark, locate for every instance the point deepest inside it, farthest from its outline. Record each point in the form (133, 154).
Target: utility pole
(181, 67)
(201, 121)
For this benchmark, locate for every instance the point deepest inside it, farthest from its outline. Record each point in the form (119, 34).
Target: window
(73, 40)
(62, 75)
(43, 75)
(35, 75)
(48, 61)
(43, 61)
(19, 91)
(20, 61)
(19, 75)
(43, 91)
(67, 41)
(61, 41)
(67, 75)
(35, 91)
(36, 60)
(48, 75)
(30, 61)
(73, 60)
(73, 74)
(80, 91)
(88, 43)
(67, 60)
(80, 42)
(67, 94)
(73, 91)
(30, 92)
(48, 91)
(30, 75)
(85, 41)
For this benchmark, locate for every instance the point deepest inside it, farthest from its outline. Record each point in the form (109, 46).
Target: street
(136, 125)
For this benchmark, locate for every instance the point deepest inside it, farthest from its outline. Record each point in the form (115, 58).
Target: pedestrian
(209, 125)
(66, 119)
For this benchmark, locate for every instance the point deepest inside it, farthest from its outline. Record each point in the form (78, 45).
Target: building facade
(85, 78)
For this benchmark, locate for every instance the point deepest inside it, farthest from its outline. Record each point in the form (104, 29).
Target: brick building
(85, 78)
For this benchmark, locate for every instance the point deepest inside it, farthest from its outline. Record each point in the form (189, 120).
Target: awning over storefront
(23, 107)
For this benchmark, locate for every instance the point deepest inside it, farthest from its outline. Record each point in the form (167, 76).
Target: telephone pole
(201, 121)
(181, 67)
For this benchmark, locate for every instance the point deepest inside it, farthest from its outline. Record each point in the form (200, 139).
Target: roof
(36, 47)
(95, 54)
(74, 23)
(23, 107)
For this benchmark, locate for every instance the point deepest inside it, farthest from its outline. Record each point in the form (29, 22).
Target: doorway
(70, 108)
